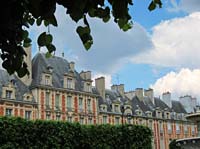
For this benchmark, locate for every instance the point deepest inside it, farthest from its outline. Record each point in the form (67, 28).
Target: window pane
(69, 102)
(47, 99)
(8, 112)
(28, 115)
(57, 100)
(8, 94)
(80, 103)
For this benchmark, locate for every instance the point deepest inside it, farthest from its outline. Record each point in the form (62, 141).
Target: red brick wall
(1, 111)
(63, 108)
(15, 112)
(21, 113)
(42, 105)
(76, 104)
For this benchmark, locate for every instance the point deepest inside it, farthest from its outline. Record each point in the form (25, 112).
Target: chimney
(100, 86)
(119, 88)
(187, 103)
(85, 75)
(71, 66)
(27, 79)
(150, 94)
(139, 92)
(166, 97)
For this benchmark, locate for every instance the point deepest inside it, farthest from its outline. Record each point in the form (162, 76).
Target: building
(56, 91)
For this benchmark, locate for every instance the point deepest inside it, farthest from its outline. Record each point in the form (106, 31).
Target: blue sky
(161, 51)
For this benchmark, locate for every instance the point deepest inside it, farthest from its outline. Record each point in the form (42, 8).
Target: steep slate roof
(20, 87)
(161, 104)
(136, 102)
(178, 107)
(60, 67)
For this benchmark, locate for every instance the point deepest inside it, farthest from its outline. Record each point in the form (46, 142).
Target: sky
(161, 51)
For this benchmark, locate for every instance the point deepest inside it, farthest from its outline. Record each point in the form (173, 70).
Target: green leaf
(31, 21)
(22, 72)
(152, 6)
(51, 48)
(26, 45)
(52, 20)
(48, 55)
(27, 40)
(46, 23)
(42, 39)
(39, 21)
(49, 39)
(88, 44)
(24, 34)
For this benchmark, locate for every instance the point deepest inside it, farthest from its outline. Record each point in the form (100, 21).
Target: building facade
(56, 91)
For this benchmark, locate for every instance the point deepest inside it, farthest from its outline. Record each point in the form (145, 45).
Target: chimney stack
(100, 86)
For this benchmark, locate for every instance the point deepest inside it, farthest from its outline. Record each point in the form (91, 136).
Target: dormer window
(116, 108)
(88, 87)
(47, 80)
(8, 94)
(149, 114)
(173, 115)
(69, 83)
(138, 112)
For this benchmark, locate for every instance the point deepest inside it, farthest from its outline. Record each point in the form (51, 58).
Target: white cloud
(188, 6)
(184, 82)
(176, 43)
(112, 47)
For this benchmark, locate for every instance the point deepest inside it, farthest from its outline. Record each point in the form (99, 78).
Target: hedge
(23, 134)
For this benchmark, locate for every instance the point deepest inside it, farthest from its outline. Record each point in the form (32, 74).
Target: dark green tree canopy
(18, 15)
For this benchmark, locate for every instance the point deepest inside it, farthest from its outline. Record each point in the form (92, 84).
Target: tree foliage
(20, 133)
(18, 15)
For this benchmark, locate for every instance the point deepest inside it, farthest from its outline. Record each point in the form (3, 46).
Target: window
(57, 100)
(47, 80)
(161, 127)
(89, 120)
(81, 120)
(140, 121)
(8, 94)
(69, 102)
(69, 83)
(69, 119)
(28, 115)
(117, 120)
(88, 87)
(193, 129)
(48, 116)
(169, 127)
(150, 124)
(177, 128)
(80, 103)
(104, 119)
(47, 99)
(57, 117)
(116, 108)
(8, 112)
(185, 129)
(89, 105)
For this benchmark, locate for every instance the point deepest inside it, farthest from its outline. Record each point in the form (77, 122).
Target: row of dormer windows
(69, 83)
